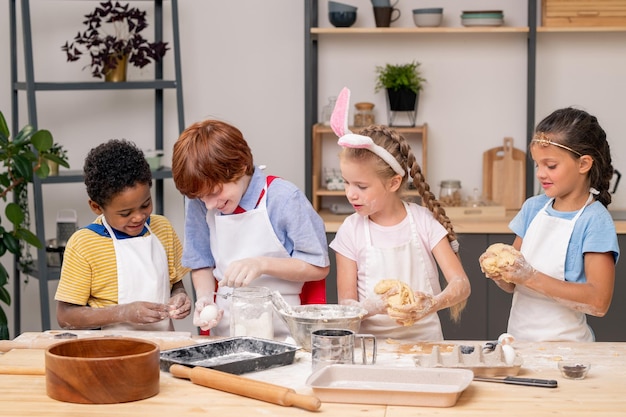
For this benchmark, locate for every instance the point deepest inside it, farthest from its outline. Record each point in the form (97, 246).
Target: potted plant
(403, 82)
(57, 153)
(20, 157)
(112, 38)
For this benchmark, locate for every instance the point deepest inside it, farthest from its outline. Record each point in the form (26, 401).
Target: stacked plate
(482, 18)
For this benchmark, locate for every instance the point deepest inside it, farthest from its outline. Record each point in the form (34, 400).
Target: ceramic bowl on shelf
(342, 19)
(428, 17)
(335, 6)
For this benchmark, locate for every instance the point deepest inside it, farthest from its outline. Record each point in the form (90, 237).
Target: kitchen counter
(601, 392)
(476, 225)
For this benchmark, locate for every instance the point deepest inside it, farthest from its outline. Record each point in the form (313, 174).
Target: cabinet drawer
(583, 13)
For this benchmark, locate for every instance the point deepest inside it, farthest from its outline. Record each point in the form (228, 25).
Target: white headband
(339, 124)
(352, 140)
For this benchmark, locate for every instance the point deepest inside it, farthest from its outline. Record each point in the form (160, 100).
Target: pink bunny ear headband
(347, 139)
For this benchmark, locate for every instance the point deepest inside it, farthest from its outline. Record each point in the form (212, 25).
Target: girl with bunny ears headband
(390, 238)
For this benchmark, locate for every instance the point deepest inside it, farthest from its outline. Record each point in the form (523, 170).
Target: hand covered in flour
(142, 312)
(179, 305)
(374, 305)
(408, 314)
(242, 272)
(504, 262)
(197, 319)
(519, 272)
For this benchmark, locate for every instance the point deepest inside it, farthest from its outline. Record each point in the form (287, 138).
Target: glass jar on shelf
(364, 115)
(450, 193)
(327, 110)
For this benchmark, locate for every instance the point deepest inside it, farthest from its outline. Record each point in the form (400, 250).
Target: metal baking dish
(235, 355)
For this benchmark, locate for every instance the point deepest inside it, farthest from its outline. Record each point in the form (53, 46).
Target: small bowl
(342, 19)
(574, 369)
(154, 159)
(430, 17)
(102, 370)
(334, 6)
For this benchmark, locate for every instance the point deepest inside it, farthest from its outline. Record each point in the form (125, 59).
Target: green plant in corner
(113, 34)
(21, 157)
(401, 76)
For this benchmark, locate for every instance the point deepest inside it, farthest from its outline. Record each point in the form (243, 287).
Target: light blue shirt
(594, 231)
(297, 225)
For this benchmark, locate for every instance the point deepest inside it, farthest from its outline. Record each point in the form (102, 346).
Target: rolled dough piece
(501, 256)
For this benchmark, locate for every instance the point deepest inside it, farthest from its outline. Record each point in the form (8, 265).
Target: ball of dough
(498, 256)
(209, 312)
(402, 295)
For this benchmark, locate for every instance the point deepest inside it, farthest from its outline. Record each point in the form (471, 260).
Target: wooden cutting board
(23, 362)
(42, 340)
(504, 175)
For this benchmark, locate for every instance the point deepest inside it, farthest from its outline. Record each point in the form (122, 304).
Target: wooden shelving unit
(42, 272)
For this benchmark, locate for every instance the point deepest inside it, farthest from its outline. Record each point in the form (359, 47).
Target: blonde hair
(400, 149)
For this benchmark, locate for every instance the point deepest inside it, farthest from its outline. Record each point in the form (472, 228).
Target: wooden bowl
(102, 370)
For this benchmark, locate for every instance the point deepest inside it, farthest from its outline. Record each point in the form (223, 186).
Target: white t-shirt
(350, 239)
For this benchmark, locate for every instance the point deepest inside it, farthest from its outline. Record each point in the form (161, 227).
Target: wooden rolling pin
(247, 387)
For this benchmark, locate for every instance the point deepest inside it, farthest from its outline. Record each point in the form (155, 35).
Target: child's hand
(373, 305)
(519, 272)
(242, 272)
(179, 305)
(408, 314)
(143, 312)
(203, 324)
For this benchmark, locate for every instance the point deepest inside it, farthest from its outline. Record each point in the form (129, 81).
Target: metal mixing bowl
(308, 318)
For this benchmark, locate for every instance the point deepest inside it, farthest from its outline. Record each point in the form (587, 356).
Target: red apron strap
(269, 180)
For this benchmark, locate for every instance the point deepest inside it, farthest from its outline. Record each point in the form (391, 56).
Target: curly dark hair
(113, 166)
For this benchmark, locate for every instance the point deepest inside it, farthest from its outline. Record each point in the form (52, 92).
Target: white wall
(243, 61)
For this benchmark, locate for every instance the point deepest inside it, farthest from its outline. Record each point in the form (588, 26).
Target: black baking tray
(235, 355)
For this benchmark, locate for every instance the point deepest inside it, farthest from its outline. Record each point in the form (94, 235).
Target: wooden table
(603, 392)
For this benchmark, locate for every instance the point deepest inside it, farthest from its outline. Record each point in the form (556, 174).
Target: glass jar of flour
(252, 313)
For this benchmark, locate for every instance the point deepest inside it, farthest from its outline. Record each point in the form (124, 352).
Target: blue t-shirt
(296, 224)
(594, 231)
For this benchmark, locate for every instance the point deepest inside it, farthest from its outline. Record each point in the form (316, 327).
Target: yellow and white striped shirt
(89, 272)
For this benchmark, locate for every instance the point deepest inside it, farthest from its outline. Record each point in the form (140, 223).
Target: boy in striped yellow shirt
(123, 271)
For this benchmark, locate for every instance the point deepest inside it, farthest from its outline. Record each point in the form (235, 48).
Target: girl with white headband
(388, 238)
(566, 236)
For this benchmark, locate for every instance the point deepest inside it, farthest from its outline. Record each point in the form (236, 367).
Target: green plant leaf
(4, 128)
(5, 297)
(14, 213)
(58, 160)
(23, 167)
(23, 135)
(29, 237)
(4, 276)
(11, 243)
(4, 179)
(43, 171)
(42, 140)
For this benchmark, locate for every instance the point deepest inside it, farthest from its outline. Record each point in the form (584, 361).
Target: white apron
(142, 275)
(405, 263)
(246, 235)
(535, 317)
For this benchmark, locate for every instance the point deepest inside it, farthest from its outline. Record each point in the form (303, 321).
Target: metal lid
(450, 184)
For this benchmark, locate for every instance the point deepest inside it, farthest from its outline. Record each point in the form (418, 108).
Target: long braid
(399, 147)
